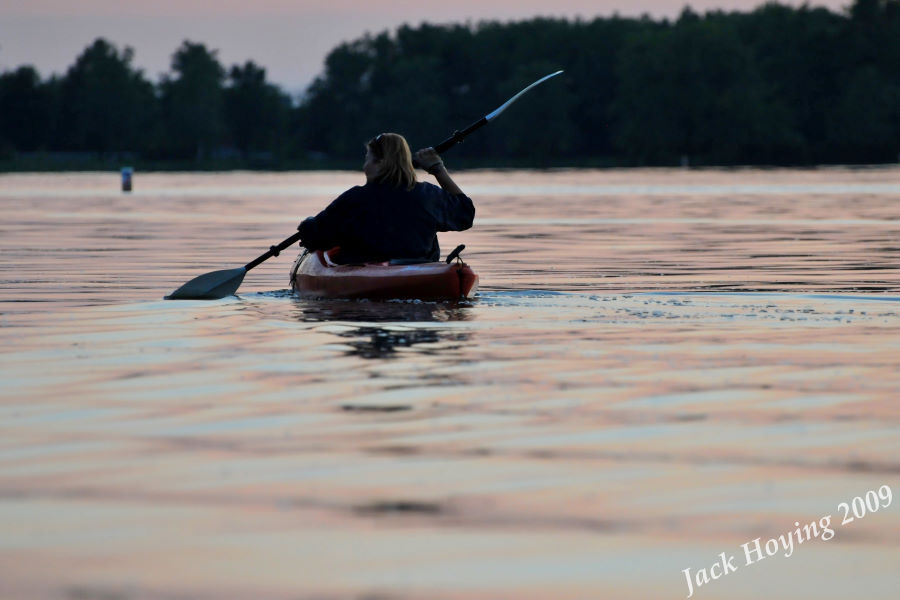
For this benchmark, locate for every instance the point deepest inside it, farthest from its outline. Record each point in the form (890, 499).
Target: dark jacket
(378, 222)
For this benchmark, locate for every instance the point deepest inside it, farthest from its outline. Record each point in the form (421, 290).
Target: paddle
(218, 284)
(458, 136)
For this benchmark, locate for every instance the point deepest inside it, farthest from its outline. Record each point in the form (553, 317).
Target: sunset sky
(289, 38)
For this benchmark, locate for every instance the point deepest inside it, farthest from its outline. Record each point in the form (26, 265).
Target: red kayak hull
(315, 276)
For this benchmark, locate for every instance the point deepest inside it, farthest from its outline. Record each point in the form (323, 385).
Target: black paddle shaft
(273, 251)
(458, 136)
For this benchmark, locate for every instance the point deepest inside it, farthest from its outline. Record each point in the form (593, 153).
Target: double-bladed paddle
(218, 284)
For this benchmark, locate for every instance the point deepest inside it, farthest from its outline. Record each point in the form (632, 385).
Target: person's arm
(432, 163)
(325, 229)
(452, 209)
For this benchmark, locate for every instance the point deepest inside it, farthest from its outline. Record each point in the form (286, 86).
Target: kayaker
(392, 216)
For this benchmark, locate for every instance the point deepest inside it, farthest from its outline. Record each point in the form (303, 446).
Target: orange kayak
(314, 275)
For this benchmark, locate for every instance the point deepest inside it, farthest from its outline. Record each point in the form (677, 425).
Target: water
(661, 366)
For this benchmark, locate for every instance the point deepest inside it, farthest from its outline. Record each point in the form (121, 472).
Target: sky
(289, 38)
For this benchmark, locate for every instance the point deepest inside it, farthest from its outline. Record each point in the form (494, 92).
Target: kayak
(315, 275)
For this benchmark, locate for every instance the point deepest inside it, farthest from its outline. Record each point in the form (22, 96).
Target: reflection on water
(367, 340)
(353, 311)
(377, 342)
(662, 365)
(371, 342)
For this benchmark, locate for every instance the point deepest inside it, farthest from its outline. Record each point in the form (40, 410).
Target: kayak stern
(315, 276)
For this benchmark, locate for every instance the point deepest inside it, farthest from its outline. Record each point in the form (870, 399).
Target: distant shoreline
(92, 164)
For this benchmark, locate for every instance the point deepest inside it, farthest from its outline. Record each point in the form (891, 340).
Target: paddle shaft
(458, 136)
(273, 251)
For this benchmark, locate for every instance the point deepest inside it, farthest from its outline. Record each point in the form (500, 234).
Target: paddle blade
(506, 104)
(211, 286)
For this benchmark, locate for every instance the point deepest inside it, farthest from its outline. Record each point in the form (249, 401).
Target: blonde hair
(397, 167)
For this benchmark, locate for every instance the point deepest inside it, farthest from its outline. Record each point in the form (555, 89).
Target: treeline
(776, 86)
(102, 106)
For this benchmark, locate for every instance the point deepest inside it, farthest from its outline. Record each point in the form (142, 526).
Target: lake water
(661, 366)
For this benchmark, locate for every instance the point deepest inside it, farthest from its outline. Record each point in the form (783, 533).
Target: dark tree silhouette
(776, 85)
(256, 112)
(104, 102)
(192, 102)
(28, 111)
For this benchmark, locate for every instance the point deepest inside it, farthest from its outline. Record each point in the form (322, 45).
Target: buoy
(126, 178)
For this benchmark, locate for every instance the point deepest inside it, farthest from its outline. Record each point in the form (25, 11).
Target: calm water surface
(661, 366)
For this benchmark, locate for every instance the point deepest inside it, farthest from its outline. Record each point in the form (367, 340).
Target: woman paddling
(392, 216)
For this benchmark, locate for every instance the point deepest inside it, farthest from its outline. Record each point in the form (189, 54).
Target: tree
(256, 112)
(192, 102)
(863, 123)
(27, 110)
(802, 55)
(693, 89)
(105, 104)
(336, 105)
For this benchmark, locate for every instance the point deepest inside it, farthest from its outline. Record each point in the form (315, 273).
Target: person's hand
(428, 159)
